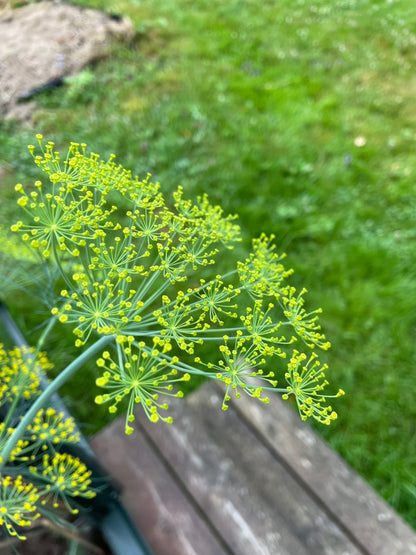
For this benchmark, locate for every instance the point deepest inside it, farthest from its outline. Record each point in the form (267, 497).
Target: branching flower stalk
(141, 287)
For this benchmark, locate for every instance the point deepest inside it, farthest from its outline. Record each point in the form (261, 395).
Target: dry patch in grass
(44, 42)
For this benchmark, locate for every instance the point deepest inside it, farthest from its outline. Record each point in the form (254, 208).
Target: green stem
(44, 335)
(11, 410)
(49, 391)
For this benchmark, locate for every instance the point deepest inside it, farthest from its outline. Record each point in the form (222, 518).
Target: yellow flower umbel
(131, 262)
(17, 504)
(65, 476)
(19, 376)
(307, 383)
(142, 375)
(263, 273)
(241, 368)
(50, 428)
(305, 324)
(54, 475)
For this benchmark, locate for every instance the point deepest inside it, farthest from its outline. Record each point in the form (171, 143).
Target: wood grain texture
(253, 480)
(251, 499)
(162, 513)
(348, 498)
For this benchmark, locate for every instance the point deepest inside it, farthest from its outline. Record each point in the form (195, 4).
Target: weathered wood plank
(249, 496)
(252, 480)
(348, 498)
(162, 512)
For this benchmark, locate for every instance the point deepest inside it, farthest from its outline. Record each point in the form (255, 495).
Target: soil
(47, 539)
(42, 43)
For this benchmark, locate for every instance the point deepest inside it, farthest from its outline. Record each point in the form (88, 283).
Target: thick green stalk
(49, 391)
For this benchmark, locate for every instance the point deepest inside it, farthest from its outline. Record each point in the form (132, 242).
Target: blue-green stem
(47, 393)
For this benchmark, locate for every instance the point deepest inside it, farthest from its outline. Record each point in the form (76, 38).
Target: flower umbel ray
(59, 218)
(262, 328)
(178, 323)
(262, 273)
(305, 324)
(307, 383)
(217, 299)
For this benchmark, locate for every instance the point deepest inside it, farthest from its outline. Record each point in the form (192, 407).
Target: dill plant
(135, 276)
(37, 477)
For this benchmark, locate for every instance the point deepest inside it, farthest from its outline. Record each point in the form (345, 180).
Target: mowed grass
(300, 117)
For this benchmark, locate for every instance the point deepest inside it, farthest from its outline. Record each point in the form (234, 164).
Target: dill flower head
(142, 270)
(19, 376)
(18, 500)
(50, 428)
(142, 374)
(307, 382)
(20, 452)
(62, 476)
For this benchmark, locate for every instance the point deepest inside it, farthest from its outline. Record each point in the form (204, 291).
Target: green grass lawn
(300, 116)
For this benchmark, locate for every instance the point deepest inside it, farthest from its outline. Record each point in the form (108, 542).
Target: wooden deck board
(162, 512)
(346, 496)
(251, 499)
(251, 480)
